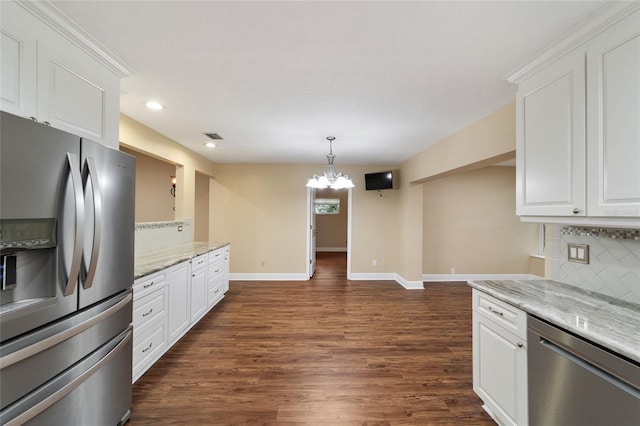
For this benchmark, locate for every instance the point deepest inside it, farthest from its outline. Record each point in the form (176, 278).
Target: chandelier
(330, 179)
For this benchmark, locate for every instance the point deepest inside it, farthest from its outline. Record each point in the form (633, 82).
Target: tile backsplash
(614, 260)
(156, 235)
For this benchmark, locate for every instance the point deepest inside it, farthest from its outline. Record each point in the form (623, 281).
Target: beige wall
(201, 213)
(137, 136)
(332, 228)
(262, 210)
(470, 224)
(154, 202)
(487, 141)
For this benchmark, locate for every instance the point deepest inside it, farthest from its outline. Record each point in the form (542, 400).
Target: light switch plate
(578, 253)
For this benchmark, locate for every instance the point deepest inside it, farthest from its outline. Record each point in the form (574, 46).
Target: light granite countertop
(610, 322)
(160, 259)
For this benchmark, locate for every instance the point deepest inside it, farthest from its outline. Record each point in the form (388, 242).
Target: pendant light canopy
(330, 179)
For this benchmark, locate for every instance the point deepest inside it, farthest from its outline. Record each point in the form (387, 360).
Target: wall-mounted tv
(380, 180)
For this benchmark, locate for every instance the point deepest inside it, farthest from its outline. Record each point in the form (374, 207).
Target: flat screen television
(378, 181)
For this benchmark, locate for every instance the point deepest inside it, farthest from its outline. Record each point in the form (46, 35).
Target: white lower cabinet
(227, 260)
(179, 300)
(500, 359)
(215, 281)
(150, 302)
(198, 287)
(168, 303)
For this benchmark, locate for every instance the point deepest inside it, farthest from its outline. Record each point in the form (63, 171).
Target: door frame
(308, 231)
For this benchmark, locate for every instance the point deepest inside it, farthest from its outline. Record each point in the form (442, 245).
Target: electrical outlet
(179, 228)
(262, 263)
(578, 253)
(374, 262)
(453, 270)
(383, 262)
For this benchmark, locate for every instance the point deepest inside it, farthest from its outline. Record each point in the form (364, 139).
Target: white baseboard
(474, 277)
(268, 277)
(332, 249)
(409, 285)
(388, 276)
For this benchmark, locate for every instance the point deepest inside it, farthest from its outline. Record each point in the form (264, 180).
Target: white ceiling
(387, 79)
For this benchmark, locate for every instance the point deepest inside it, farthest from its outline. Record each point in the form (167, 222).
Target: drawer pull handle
(148, 347)
(520, 344)
(148, 285)
(495, 311)
(148, 313)
(216, 292)
(216, 271)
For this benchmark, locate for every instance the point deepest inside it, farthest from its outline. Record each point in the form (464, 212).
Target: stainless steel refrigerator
(66, 254)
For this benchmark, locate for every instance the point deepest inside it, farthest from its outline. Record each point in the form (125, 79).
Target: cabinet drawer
(217, 255)
(215, 291)
(501, 313)
(147, 309)
(216, 268)
(148, 347)
(150, 283)
(199, 262)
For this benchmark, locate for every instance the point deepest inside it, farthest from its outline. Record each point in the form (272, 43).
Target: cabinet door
(76, 93)
(500, 371)
(550, 140)
(613, 117)
(17, 60)
(198, 294)
(227, 260)
(179, 301)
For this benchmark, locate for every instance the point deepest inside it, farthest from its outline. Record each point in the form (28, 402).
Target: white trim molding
(268, 277)
(64, 25)
(332, 249)
(477, 277)
(409, 285)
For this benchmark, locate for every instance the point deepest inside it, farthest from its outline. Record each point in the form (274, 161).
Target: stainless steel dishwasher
(575, 382)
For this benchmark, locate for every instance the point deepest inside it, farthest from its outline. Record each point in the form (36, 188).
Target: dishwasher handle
(594, 369)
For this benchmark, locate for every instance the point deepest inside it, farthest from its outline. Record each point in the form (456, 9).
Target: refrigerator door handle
(90, 172)
(47, 343)
(69, 387)
(76, 260)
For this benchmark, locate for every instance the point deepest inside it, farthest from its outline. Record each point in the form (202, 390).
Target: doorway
(329, 216)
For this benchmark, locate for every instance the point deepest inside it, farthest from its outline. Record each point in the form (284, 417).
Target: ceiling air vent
(214, 136)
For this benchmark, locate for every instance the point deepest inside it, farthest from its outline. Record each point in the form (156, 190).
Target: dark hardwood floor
(325, 352)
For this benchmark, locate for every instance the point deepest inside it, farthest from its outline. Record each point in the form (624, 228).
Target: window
(327, 205)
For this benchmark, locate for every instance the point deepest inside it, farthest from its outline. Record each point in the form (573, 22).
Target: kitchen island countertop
(160, 259)
(607, 321)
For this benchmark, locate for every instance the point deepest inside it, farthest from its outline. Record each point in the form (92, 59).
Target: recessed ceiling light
(210, 145)
(156, 106)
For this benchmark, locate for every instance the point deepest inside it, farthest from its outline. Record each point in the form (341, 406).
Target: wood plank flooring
(322, 352)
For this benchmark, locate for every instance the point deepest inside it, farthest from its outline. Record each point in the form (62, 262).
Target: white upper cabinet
(17, 60)
(578, 126)
(52, 71)
(613, 117)
(550, 141)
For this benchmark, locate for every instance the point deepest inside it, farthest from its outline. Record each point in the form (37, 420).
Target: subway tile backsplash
(151, 236)
(614, 260)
